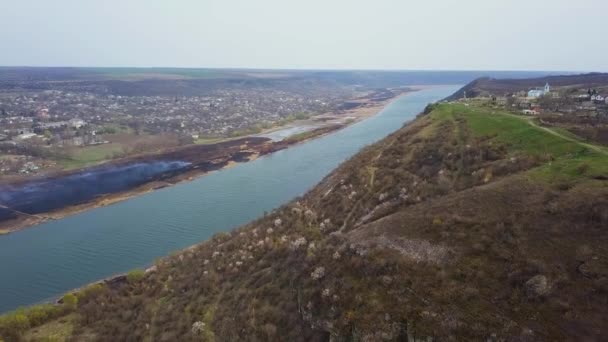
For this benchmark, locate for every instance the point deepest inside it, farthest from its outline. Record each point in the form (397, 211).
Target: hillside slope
(502, 87)
(467, 224)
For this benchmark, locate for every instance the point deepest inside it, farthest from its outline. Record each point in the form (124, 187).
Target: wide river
(42, 262)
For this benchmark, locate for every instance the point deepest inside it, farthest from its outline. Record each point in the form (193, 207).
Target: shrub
(12, 325)
(135, 275)
(582, 169)
(302, 116)
(89, 291)
(40, 314)
(429, 108)
(70, 301)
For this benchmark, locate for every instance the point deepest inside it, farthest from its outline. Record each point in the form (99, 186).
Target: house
(25, 136)
(29, 167)
(78, 141)
(43, 113)
(598, 98)
(582, 97)
(538, 92)
(77, 123)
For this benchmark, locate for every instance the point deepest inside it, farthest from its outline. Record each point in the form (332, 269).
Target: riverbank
(362, 216)
(81, 249)
(205, 159)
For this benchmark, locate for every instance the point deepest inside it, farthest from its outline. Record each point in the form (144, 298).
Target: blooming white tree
(318, 273)
(198, 327)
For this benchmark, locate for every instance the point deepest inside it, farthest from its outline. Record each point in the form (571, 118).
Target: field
(568, 157)
(159, 73)
(90, 155)
(122, 144)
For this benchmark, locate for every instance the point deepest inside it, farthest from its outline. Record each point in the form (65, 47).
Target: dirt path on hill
(557, 134)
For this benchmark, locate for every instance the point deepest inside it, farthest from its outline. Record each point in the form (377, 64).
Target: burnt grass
(433, 232)
(65, 189)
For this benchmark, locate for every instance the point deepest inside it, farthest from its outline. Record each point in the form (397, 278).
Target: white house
(25, 136)
(76, 123)
(538, 92)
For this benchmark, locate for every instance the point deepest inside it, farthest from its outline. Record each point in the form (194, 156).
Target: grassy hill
(467, 224)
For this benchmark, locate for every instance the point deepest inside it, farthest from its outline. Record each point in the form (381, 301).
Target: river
(42, 262)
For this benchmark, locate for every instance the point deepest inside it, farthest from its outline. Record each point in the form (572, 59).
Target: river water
(45, 261)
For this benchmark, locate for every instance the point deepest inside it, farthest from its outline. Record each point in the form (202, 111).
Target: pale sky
(564, 35)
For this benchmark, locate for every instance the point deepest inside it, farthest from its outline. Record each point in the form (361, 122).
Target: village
(23, 116)
(579, 110)
(39, 128)
(569, 101)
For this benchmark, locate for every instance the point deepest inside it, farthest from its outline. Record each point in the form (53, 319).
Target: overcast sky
(328, 34)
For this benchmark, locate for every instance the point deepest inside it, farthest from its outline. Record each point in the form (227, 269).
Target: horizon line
(299, 69)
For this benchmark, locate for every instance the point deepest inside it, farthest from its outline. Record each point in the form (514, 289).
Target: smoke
(48, 194)
(6, 214)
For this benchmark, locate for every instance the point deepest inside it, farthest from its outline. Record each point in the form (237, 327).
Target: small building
(77, 123)
(582, 97)
(26, 136)
(43, 113)
(29, 167)
(78, 141)
(538, 92)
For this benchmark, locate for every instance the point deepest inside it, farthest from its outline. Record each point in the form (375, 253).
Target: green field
(568, 158)
(91, 155)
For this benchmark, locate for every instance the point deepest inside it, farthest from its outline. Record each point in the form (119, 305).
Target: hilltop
(470, 223)
(501, 87)
(574, 104)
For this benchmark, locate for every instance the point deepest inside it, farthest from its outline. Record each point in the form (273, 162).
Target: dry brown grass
(443, 243)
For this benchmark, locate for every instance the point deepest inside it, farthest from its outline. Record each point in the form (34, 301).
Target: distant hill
(197, 82)
(501, 87)
(463, 225)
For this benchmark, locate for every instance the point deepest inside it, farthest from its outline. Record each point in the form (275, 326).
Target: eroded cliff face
(447, 229)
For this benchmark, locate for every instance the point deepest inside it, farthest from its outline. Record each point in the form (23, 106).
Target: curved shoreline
(331, 122)
(106, 236)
